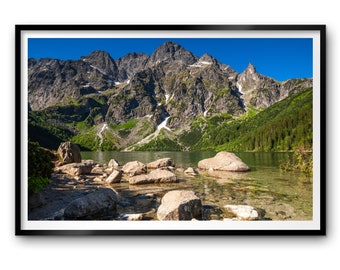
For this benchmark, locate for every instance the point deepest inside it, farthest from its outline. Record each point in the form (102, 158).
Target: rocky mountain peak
(170, 52)
(132, 55)
(98, 54)
(171, 82)
(102, 61)
(207, 58)
(250, 69)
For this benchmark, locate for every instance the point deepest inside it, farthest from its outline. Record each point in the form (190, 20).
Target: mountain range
(138, 100)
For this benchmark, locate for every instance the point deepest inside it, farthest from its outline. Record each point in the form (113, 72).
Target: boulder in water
(161, 163)
(224, 161)
(180, 205)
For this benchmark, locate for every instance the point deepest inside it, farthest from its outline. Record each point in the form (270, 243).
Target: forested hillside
(282, 127)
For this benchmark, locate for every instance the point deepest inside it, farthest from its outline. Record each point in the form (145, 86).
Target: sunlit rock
(180, 205)
(224, 161)
(134, 168)
(161, 163)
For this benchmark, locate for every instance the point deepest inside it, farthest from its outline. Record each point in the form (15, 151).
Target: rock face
(130, 64)
(161, 163)
(224, 161)
(180, 205)
(96, 205)
(102, 62)
(154, 177)
(261, 91)
(53, 81)
(133, 168)
(69, 153)
(242, 212)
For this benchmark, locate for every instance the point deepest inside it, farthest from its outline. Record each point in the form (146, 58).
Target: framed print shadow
(170, 130)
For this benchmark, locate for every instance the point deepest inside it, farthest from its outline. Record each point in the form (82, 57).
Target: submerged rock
(242, 212)
(224, 161)
(180, 205)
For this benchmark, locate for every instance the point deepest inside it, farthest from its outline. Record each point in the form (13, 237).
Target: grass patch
(127, 125)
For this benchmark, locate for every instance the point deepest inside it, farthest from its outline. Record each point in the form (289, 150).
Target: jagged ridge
(172, 83)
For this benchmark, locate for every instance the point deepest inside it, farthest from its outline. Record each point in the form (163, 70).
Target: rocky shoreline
(86, 190)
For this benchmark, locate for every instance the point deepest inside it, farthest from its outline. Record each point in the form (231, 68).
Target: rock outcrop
(180, 205)
(223, 161)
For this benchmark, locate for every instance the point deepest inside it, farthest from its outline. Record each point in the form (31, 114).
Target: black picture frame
(318, 32)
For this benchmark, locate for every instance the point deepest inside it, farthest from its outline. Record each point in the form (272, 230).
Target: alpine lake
(277, 194)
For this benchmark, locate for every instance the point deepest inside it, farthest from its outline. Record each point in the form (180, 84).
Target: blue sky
(279, 58)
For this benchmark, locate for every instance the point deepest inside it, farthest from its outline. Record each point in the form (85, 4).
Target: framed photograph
(170, 130)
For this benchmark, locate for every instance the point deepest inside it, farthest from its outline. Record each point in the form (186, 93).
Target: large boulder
(242, 212)
(133, 168)
(69, 153)
(96, 205)
(76, 169)
(161, 163)
(180, 205)
(224, 161)
(154, 177)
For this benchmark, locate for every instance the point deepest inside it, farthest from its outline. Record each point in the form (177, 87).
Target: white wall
(168, 252)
